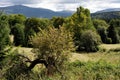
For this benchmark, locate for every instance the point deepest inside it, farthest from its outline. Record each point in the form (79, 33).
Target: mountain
(107, 14)
(34, 12)
(109, 10)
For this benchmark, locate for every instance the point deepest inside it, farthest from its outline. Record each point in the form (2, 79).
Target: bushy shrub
(19, 36)
(113, 34)
(4, 32)
(4, 35)
(109, 41)
(101, 27)
(17, 66)
(90, 41)
(115, 50)
(52, 47)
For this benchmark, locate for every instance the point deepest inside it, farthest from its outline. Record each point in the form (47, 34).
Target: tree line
(88, 33)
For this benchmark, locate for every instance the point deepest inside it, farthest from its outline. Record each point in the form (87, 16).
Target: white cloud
(100, 5)
(57, 5)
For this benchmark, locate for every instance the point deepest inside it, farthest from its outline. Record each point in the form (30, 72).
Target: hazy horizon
(61, 5)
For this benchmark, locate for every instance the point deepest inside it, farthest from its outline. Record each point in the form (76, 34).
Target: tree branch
(28, 60)
(34, 62)
(37, 61)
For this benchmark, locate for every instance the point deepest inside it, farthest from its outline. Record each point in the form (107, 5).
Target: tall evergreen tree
(112, 33)
(4, 31)
(101, 27)
(18, 32)
(4, 34)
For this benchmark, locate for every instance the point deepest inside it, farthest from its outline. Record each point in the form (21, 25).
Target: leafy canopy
(53, 46)
(53, 42)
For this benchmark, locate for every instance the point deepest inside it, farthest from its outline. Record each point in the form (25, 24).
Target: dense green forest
(106, 15)
(52, 42)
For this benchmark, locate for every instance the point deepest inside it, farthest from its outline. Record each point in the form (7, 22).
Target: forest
(56, 45)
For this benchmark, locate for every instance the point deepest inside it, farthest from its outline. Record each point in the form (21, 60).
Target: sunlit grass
(112, 57)
(103, 65)
(110, 46)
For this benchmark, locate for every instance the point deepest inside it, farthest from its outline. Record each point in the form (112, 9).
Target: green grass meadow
(101, 65)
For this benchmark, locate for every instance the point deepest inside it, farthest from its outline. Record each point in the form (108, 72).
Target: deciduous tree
(52, 47)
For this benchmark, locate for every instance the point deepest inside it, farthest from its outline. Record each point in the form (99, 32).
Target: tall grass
(100, 70)
(83, 66)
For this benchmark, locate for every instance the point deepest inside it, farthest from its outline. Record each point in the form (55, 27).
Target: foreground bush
(52, 48)
(77, 70)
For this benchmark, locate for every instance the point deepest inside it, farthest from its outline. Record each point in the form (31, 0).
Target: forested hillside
(106, 15)
(34, 12)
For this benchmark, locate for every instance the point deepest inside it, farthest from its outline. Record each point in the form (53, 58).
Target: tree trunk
(50, 70)
(49, 64)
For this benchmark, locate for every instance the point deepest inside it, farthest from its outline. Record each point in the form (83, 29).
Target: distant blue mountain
(107, 14)
(34, 12)
(109, 10)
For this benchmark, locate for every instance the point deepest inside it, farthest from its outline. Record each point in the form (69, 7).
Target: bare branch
(28, 60)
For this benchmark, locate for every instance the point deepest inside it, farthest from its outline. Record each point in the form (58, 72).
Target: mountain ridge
(106, 15)
(34, 12)
(108, 10)
(46, 13)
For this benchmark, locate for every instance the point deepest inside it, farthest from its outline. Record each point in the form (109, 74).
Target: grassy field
(107, 55)
(110, 46)
(101, 65)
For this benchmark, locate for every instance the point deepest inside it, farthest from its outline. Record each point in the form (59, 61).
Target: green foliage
(32, 26)
(90, 41)
(108, 34)
(17, 66)
(107, 16)
(78, 23)
(109, 41)
(4, 36)
(99, 70)
(112, 33)
(16, 23)
(101, 27)
(19, 36)
(57, 21)
(35, 24)
(4, 32)
(77, 71)
(54, 46)
(16, 19)
(115, 50)
(115, 22)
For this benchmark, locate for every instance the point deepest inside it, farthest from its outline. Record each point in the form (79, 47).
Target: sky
(59, 5)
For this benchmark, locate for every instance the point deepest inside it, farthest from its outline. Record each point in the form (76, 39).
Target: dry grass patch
(81, 57)
(112, 57)
(110, 46)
